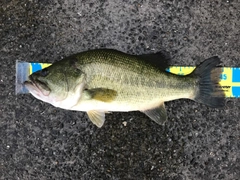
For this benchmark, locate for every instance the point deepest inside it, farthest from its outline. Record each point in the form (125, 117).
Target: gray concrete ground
(39, 141)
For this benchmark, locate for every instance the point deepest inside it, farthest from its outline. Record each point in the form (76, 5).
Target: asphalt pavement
(39, 141)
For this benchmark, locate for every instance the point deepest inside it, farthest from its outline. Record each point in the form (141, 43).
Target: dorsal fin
(158, 60)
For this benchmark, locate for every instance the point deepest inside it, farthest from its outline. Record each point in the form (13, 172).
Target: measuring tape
(229, 78)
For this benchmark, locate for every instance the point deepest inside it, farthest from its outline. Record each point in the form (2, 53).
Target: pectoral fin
(96, 117)
(101, 94)
(158, 114)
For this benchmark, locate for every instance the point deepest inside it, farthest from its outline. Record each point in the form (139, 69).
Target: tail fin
(209, 91)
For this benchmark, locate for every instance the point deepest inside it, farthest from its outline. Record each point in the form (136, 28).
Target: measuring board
(229, 79)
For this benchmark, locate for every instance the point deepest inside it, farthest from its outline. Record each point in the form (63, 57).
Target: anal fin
(97, 117)
(158, 114)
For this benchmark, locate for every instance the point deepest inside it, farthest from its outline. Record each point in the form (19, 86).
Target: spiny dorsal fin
(158, 114)
(97, 117)
(158, 60)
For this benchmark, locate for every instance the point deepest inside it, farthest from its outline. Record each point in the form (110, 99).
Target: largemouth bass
(104, 80)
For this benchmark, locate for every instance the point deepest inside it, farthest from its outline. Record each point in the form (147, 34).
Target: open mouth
(37, 87)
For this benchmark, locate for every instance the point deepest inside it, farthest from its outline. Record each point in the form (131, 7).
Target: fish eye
(44, 72)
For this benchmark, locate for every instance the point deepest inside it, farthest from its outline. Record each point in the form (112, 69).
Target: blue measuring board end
(236, 91)
(236, 75)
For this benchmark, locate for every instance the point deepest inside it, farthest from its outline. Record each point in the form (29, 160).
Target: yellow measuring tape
(229, 79)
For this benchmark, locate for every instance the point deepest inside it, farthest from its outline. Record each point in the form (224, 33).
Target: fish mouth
(37, 87)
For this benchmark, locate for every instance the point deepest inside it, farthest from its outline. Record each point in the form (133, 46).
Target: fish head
(56, 84)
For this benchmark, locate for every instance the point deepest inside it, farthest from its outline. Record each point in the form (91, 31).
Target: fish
(106, 80)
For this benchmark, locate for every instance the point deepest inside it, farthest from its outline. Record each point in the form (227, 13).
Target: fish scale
(125, 81)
